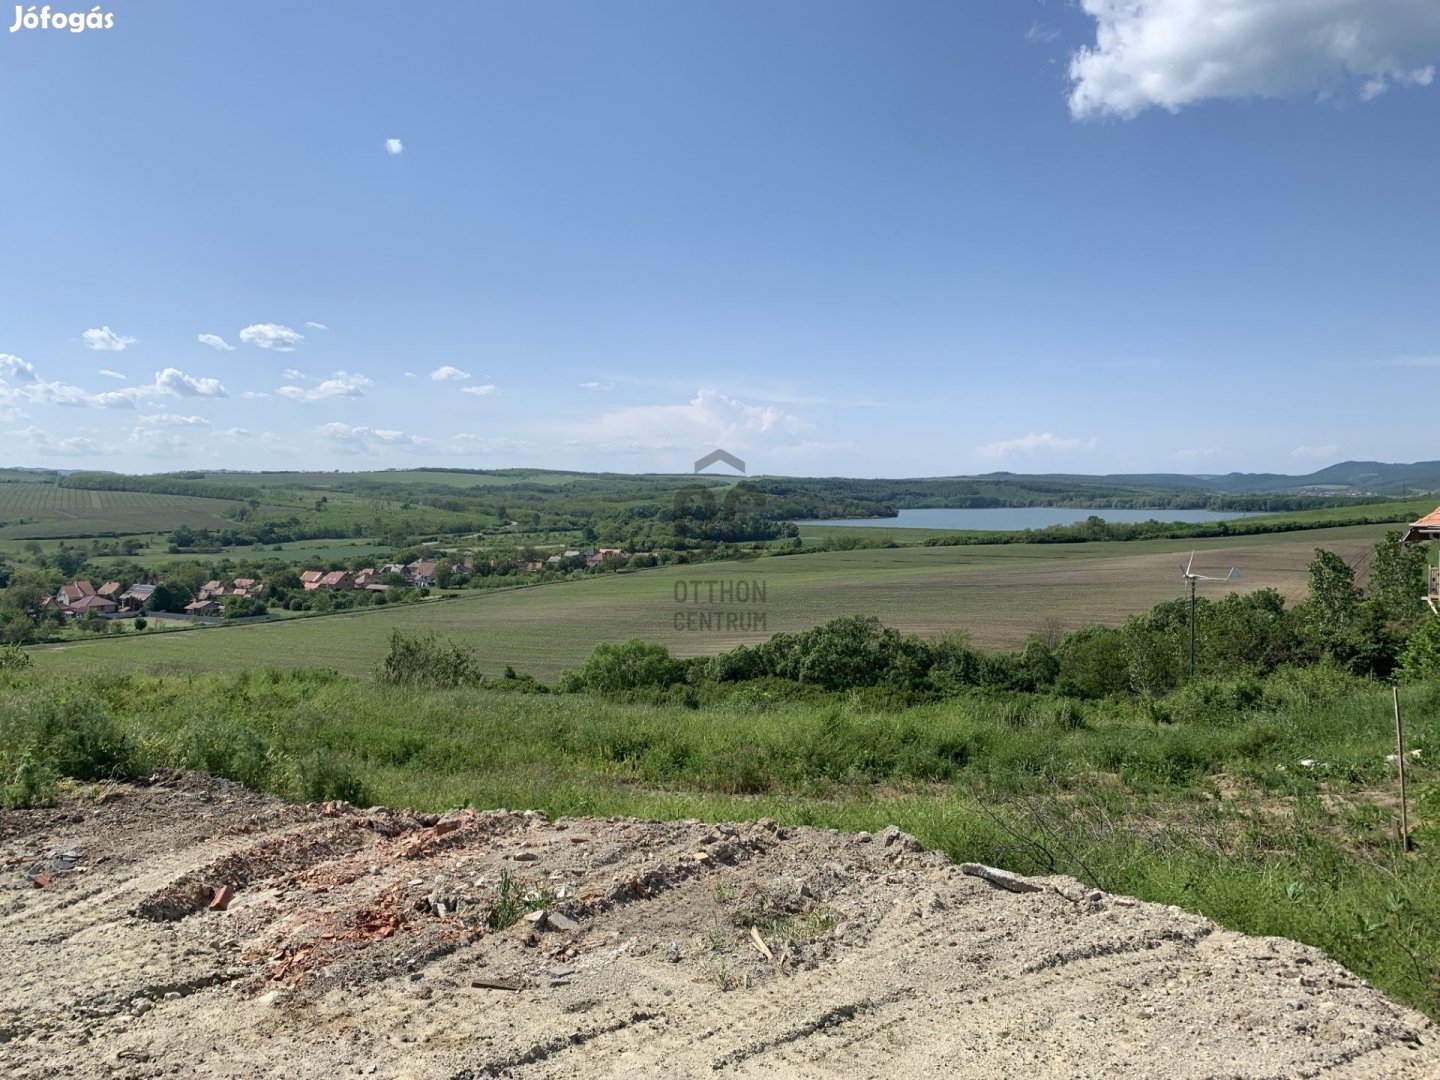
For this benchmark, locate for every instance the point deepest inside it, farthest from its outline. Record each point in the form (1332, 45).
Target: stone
(557, 921)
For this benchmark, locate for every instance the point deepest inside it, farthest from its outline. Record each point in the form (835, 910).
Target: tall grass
(1201, 801)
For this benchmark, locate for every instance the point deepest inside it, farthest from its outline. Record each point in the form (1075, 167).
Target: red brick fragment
(223, 895)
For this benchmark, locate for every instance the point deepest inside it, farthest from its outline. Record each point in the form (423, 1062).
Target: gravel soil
(187, 927)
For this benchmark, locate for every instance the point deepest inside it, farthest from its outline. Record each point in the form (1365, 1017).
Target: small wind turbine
(1193, 579)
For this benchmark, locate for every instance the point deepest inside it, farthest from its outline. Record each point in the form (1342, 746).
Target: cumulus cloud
(15, 370)
(272, 336)
(42, 443)
(343, 384)
(394, 146)
(481, 391)
(19, 382)
(1316, 452)
(112, 374)
(367, 440)
(316, 326)
(447, 373)
(707, 420)
(1173, 53)
(1030, 444)
(174, 381)
(215, 341)
(157, 442)
(106, 340)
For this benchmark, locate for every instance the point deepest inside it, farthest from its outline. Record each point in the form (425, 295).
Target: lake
(1014, 518)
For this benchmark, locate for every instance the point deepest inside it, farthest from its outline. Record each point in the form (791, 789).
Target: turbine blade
(1190, 564)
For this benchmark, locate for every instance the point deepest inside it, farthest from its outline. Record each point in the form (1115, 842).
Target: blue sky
(835, 238)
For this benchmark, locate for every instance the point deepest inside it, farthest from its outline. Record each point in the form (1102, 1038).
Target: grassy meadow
(1214, 810)
(1000, 594)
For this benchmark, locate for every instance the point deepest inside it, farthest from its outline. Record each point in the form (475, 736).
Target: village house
(337, 581)
(202, 607)
(109, 590)
(136, 597)
(99, 605)
(73, 593)
(1423, 532)
(420, 572)
(364, 577)
(310, 579)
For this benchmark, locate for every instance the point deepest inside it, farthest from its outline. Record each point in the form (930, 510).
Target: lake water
(1013, 518)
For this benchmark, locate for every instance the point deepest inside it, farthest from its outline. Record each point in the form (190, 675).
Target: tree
(1398, 578)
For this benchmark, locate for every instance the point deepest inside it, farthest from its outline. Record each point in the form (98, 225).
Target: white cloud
(1031, 444)
(272, 336)
(112, 374)
(157, 442)
(597, 386)
(368, 440)
(342, 384)
(316, 326)
(173, 420)
(411, 375)
(215, 341)
(15, 370)
(394, 146)
(449, 374)
(1173, 53)
(707, 420)
(106, 340)
(1316, 452)
(19, 382)
(481, 391)
(41, 442)
(254, 394)
(174, 381)
(1041, 33)
(294, 374)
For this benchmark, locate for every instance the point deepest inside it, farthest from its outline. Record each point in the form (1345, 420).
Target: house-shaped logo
(720, 455)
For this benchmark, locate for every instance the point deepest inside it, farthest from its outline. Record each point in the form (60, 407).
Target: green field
(30, 510)
(1000, 594)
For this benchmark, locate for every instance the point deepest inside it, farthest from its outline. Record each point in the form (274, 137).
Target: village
(246, 597)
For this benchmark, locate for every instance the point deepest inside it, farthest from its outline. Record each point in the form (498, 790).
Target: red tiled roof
(1427, 528)
(97, 603)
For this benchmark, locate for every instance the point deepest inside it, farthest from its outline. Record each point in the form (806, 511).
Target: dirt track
(356, 943)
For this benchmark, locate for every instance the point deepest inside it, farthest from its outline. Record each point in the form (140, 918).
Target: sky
(912, 238)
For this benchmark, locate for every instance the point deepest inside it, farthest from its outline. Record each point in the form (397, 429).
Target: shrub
(424, 660)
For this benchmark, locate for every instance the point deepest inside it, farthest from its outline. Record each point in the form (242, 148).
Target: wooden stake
(1400, 758)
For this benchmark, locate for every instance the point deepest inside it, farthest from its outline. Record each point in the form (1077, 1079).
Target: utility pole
(1192, 628)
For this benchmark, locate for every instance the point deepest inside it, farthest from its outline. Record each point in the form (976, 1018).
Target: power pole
(1192, 628)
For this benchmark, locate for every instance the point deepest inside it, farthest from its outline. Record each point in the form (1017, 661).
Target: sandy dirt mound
(190, 928)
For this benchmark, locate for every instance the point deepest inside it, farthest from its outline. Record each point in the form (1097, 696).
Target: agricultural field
(30, 510)
(999, 594)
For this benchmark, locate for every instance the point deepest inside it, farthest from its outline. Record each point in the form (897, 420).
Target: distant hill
(1346, 478)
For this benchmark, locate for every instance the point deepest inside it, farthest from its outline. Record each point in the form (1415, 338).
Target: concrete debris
(1000, 878)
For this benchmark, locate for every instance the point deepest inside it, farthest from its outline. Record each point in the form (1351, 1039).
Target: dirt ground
(350, 942)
